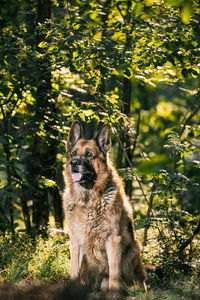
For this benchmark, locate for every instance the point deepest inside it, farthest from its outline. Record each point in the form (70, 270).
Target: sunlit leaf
(191, 92)
(119, 36)
(98, 36)
(75, 54)
(22, 108)
(128, 73)
(186, 12)
(88, 112)
(149, 2)
(43, 44)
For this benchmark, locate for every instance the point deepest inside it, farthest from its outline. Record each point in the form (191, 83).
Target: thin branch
(7, 102)
(3, 112)
(119, 9)
(138, 181)
(148, 216)
(130, 165)
(187, 120)
(137, 132)
(188, 241)
(184, 118)
(10, 97)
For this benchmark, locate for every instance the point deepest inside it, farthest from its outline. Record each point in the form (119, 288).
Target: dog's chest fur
(90, 208)
(90, 218)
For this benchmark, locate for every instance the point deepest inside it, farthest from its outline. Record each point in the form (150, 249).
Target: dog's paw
(105, 285)
(114, 285)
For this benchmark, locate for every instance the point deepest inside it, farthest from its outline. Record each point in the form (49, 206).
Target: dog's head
(87, 158)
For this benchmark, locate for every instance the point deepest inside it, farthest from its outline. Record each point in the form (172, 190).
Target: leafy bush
(173, 213)
(39, 258)
(15, 253)
(50, 259)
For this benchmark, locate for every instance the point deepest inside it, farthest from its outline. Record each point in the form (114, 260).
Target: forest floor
(180, 289)
(38, 269)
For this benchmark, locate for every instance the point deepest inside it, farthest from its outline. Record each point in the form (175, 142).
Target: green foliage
(23, 257)
(50, 260)
(182, 288)
(133, 64)
(175, 215)
(15, 255)
(27, 260)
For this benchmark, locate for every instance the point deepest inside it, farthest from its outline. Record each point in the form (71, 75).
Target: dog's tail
(132, 267)
(140, 274)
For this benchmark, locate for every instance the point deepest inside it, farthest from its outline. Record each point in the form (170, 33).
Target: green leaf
(119, 36)
(128, 73)
(186, 12)
(168, 130)
(52, 48)
(98, 36)
(43, 44)
(149, 2)
(88, 112)
(82, 116)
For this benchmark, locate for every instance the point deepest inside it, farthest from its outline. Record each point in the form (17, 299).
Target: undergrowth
(22, 257)
(39, 259)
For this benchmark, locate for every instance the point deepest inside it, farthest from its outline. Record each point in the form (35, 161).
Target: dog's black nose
(75, 162)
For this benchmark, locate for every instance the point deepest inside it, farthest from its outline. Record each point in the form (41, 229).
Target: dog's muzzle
(81, 170)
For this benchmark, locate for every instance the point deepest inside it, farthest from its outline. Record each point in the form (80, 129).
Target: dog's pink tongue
(76, 176)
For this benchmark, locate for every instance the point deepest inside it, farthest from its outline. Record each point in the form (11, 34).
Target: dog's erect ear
(76, 132)
(103, 139)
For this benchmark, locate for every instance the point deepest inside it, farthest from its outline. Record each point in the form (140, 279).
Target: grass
(24, 259)
(41, 258)
(180, 288)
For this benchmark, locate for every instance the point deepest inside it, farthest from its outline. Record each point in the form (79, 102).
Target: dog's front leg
(74, 251)
(113, 248)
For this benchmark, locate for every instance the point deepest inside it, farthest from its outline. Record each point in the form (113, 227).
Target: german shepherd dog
(99, 217)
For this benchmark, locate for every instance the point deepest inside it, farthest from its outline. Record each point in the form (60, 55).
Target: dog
(103, 244)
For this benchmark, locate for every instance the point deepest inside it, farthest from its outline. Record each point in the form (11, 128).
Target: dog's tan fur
(100, 219)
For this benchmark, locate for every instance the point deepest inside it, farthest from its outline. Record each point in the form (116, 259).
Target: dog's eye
(74, 153)
(88, 154)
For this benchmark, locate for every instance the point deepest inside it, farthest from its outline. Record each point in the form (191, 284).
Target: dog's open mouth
(77, 176)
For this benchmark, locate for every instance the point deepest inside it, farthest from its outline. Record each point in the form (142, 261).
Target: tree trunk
(26, 215)
(104, 20)
(45, 147)
(57, 207)
(9, 176)
(126, 136)
(126, 109)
